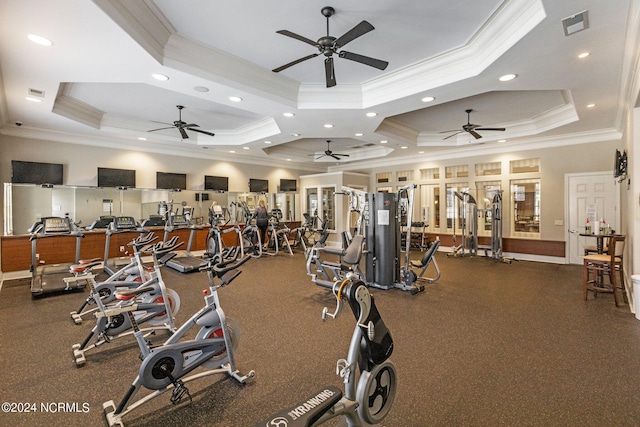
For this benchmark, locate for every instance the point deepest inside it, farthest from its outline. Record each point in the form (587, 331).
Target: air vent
(36, 93)
(575, 23)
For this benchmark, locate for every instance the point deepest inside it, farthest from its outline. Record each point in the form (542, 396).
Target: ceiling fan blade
(153, 130)
(335, 156)
(183, 133)
(202, 131)
(190, 125)
(453, 134)
(163, 123)
(329, 72)
(498, 129)
(297, 61)
(475, 134)
(297, 37)
(372, 62)
(452, 130)
(362, 28)
(319, 157)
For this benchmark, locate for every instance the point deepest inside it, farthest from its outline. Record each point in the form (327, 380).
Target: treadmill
(183, 261)
(119, 224)
(50, 278)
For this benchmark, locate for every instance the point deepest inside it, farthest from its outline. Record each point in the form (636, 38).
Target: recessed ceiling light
(161, 77)
(384, 141)
(591, 105)
(235, 99)
(288, 114)
(232, 151)
(359, 134)
(267, 142)
(372, 114)
(39, 40)
(288, 160)
(507, 77)
(33, 99)
(142, 138)
(328, 125)
(428, 99)
(246, 148)
(295, 134)
(583, 55)
(420, 152)
(502, 140)
(201, 89)
(404, 147)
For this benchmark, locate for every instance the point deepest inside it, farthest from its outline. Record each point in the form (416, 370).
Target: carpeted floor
(489, 344)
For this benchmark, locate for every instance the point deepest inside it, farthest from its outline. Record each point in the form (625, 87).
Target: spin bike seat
(306, 412)
(127, 294)
(83, 266)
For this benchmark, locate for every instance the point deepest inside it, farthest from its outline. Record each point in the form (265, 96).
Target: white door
(589, 190)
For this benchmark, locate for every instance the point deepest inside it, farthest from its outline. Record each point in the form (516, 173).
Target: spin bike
(367, 399)
(105, 291)
(165, 367)
(154, 304)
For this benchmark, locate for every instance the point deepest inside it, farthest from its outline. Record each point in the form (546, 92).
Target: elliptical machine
(166, 366)
(370, 379)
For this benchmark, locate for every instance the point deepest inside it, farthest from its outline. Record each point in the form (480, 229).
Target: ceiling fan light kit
(328, 45)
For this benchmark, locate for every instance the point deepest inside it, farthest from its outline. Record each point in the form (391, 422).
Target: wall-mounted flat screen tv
(288, 185)
(216, 183)
(171, 181)
(258, 185)
(109, 177)
(36, 173)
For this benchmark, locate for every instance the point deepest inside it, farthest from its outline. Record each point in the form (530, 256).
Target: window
(312, 201)
(524, 166)
(328, 211)
(525, 201)
(383, 177)
(430, 205)
(454, 214)
(405, 176)
(461, 171)
(431, 173)
(486, 169)
(384, 189)
(486, 191)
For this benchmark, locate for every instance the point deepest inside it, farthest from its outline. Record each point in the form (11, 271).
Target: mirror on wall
(26, 203)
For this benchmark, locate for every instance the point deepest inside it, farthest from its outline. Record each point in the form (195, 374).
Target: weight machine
(469, 225)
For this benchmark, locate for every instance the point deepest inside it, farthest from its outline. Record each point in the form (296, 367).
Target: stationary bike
(154, 304)
(165, 367)
(105, 290)
(367, 399)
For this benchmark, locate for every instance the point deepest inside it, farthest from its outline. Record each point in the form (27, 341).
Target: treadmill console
(179, 220)
(124, 223)
(53, 225)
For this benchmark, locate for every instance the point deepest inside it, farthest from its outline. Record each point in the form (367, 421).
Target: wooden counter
(15, 251)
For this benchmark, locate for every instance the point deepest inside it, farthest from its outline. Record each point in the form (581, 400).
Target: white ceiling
(98, 88)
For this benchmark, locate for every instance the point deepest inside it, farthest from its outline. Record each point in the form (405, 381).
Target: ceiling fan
(329, 153)
(470, 128)
(182, 126)
(328, 45)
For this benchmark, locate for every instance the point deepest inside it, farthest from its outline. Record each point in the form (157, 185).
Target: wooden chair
(596, 266)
